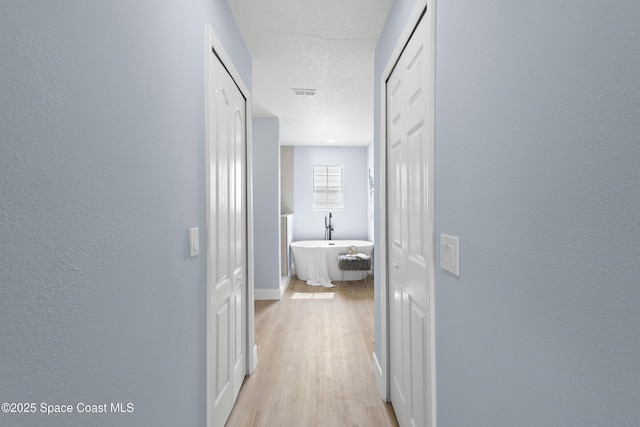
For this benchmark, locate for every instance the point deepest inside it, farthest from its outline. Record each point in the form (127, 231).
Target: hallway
(314, 361)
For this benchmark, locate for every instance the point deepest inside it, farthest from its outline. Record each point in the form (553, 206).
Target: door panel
(223, 338)
(226, 237)
(418, 359)
(398, 369)
(410, 223)
(239, 336)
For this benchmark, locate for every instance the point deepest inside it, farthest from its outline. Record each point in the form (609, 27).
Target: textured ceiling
(326, 45)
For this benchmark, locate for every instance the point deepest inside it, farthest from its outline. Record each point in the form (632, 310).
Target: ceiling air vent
(303, 92)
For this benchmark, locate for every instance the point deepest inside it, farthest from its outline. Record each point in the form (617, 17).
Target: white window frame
(322, 189)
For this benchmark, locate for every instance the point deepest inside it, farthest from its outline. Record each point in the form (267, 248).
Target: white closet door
(410, 219)
(226, 241)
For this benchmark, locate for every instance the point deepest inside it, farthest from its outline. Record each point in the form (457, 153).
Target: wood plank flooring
(314, 361)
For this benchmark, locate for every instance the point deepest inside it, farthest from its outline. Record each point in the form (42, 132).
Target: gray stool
(353, 263)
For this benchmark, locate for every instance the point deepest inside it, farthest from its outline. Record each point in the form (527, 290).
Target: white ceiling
(327, 45)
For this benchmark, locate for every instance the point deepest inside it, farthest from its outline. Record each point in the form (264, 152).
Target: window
(327, 187)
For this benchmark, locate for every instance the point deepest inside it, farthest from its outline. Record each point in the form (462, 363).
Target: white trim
(383, 380)
(377, 373)
(284, 284)
(432, 225)
(384, 383)
(255, 358)
(252, 357)
(267, 294)
(273, 294)
(251, 351)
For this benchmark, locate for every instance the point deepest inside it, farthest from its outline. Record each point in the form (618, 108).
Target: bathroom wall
(266, 203)
(536, 168)
(350, 223)
(102, 173)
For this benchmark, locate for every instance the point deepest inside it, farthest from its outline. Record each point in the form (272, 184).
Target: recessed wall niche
(286, 179)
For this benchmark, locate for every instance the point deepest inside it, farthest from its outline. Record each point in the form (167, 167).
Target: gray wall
(266, 199)
(350, 223)
(102, 172)
(537, 154)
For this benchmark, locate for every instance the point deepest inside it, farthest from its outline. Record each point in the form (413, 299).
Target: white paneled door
(410, 227)
(226, 241)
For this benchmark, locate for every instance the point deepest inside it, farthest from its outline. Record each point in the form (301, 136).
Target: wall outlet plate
(450, 254)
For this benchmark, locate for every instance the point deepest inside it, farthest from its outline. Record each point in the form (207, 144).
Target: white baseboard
(273, 294)
(266, 294)
(377, 373)
(284, 284)
(255, 359)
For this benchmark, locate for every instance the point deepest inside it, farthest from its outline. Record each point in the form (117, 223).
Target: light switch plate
(450, 254)
(193, 242)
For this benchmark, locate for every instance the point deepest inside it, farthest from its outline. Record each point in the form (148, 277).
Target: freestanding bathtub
(305, 252)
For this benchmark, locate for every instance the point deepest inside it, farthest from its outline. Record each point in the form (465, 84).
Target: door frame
(383, 366)
(251, 351)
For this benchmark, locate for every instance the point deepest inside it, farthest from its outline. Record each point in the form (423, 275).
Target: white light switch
(449, 254)
(193, 242)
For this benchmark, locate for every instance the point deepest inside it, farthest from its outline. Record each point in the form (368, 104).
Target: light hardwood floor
(314, 361)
